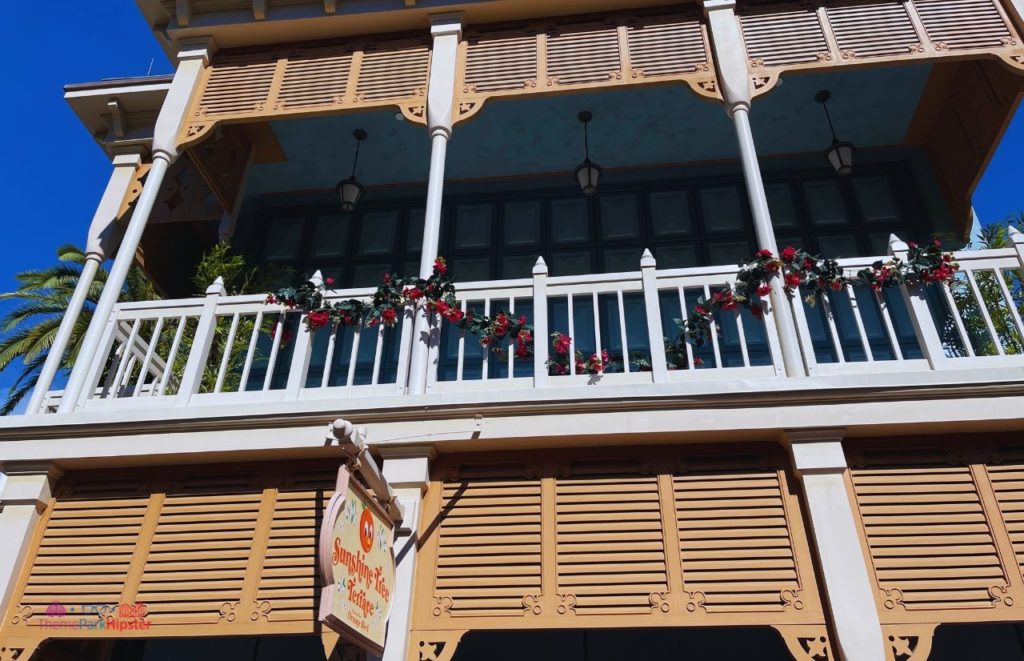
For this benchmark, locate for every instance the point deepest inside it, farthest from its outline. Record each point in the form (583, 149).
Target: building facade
(832, 478)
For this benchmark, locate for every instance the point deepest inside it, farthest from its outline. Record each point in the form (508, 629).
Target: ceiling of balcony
(636, 127)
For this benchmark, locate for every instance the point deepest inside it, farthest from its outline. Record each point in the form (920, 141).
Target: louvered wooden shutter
(489, 552)
(666, 46)
(873, 29)
(927, 531)
(611, 555)
(787, 36)
(583, 53)
(393, 72)
(735, 536)
(315, 78)
(501, 61)
(237, 84)
(963, 24)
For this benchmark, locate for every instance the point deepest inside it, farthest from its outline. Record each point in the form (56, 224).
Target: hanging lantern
(840, 153)
(350, 190)
(587, 173)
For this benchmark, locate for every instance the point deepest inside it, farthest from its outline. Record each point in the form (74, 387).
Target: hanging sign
(358, 565)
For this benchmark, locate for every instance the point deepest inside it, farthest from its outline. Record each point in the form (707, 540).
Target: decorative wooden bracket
(18, 649)
(433, 645)
(807, 642)
(908, 642)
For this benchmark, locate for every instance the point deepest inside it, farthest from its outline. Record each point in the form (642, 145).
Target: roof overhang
(119, 113)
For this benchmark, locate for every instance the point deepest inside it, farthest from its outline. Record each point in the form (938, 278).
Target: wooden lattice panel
(873, 29)
(964, 24)
(489, 558)
(783, 37)
(209, 550)
(622, 570)
(734, 537)
(643, 537)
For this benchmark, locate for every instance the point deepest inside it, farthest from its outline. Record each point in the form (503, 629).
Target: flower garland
(926, 264)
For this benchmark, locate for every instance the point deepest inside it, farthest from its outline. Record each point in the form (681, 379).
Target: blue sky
(55, 173)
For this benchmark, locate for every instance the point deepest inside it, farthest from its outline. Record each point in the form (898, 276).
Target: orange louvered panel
(667, 45)
(963, 24)
(314, 78)
(1007, 479)
(611, 554)
(734, 537)
(87, 547)
(583, 53)
(393, 72)
(501, 61)
(237, 84)
(874, 28)
(489, 548)
(289, 579)
(929, 538)
(786, 36)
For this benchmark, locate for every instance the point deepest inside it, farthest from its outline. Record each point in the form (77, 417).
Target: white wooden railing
(238, 349)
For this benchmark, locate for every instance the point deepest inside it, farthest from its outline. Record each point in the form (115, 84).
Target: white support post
(659, 362)
(24, 496)
(102, 238)
(446, 30)
(407, 470)
(206, 332)
(820, 463)
(920, 315)
(192, 60)
(540, 324)
(302, 353)
(734, 80)
(1017, 240)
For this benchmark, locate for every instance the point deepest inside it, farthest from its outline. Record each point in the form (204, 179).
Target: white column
(446, 30)
(102, 239)
(192, 60)
(819, 462)
(734, 81)
(407, 470)
(24, 496)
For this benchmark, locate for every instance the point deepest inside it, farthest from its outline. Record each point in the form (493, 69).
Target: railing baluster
(649, 280)
(540, 324)
(511, 341)
(833, 330)
(172, 354)
(572, 335)
(275, 347)
(226, 358)
(332, 341)
(860, 323)
(597, 324)
(714, 331)
(206, 331)
(773, 338)
(153, 341)
(378, 353)
(405, 349)
(958, 321)
(460, 358)
(740, 333)
(302, 351)
(890, 329)
(684, 313)
(997, 273)
(126, 357)
(487, 349)
(250, 353)
(122, 386)
(354, 354)
(983, 306)
(622, 329)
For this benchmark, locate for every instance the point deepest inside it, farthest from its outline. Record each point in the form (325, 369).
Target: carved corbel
(705, 88)
(807, 642)
(18, 649)
(433, 645)
(909, 642)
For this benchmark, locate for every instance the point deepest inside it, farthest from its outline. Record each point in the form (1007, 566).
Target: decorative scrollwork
(22, 614)
(659, 602)
(909, 642)
(696, 600)
(261, 609)
(442, 606)
(532, 605)
(438, 645)
(14, 650)
(791, 598)
(892, 598)
(227, 611)
(566, 604)
(1000, 595)
(806, 642)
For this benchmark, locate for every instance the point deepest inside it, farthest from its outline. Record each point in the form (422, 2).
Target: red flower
(522, 320)
(440, 266)
(700, 310)
(387, 278)
(837, 285)
(757, 311)
(441, 307)
(318, 319)
(764, 290)
(697, 362)
(764, 252)
(454, 314)
(562, 343)
(329, 281)
(270, 299)
(413, 293)
(911, 245)
(793, 280)
(808, 263)
(522, 351)
(389, 316)
(788, 254)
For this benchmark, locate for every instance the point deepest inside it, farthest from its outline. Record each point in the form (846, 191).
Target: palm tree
(41, 300)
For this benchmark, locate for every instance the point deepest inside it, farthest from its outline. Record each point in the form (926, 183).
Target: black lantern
(349, 190)
(839, 154)
(587, 172)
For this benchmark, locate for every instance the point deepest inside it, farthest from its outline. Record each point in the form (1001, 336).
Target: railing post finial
(647, 260)
(216, 288)
(317, 278)
(540, 267)
(897, 245)
(1016, 236)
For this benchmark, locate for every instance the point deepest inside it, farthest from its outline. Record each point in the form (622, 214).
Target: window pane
(619, 218)
(331, 235)
(473, 226)
(570, 263)
(825, 202)
(414, 236)
(780, 205)
(622, 259)
(670, 213)
(377, 232)
(467, 269)
(875, 199)
(729, 252)
(676, 257)
(369, 275)
(284, 238)
(835, 247)
(721, 208)
(522, 223)
(517, 266)
(569, 220)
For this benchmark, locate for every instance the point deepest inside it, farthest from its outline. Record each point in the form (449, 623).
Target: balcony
(238, 350)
